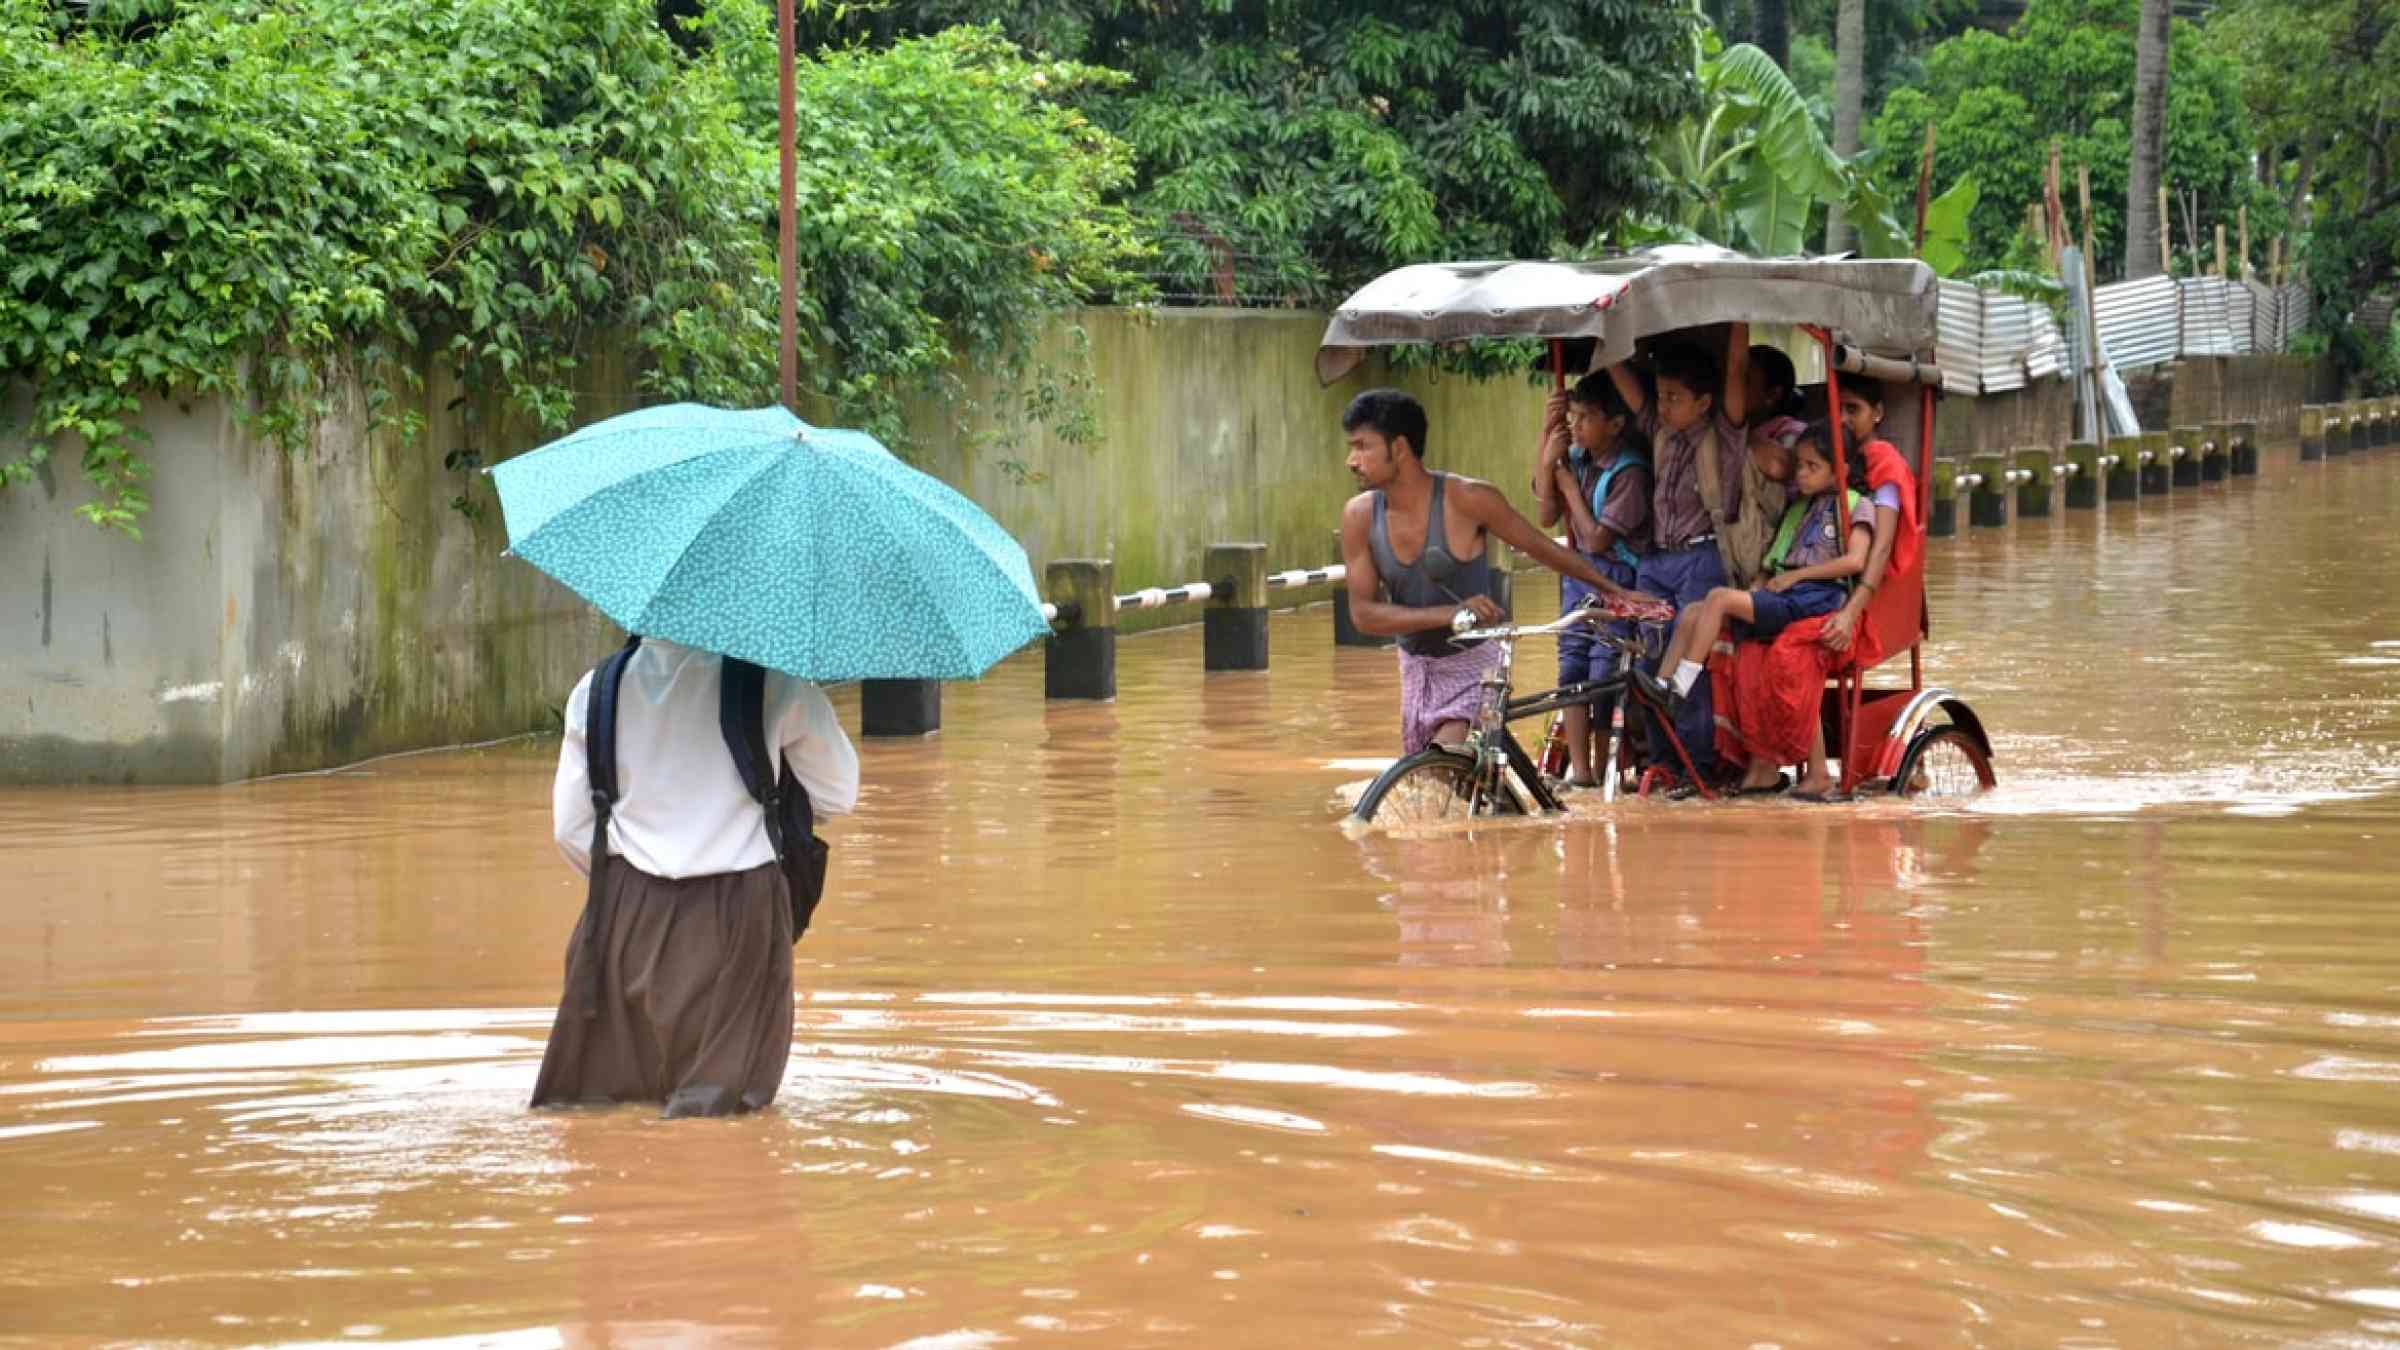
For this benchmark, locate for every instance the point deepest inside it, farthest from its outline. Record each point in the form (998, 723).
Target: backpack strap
(741, 720)
(1788, 533)
(1627, 457)
(600, 766)
(1712, 476)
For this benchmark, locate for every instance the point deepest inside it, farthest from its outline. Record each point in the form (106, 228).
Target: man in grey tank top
(1440, 523)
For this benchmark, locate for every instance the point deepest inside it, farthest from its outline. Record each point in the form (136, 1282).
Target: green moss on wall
(1212, 428)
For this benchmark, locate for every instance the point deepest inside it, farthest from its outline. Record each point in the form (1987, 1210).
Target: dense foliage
(2064, 71)
(2322, 82)
(951, 199)
(262, 199)
(239, 196)
(1289, 149)
(1750, 166)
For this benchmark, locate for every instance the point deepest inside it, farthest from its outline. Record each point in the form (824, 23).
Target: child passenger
(1774, 388)
(1809, 566)
(1595, 473)
(1898, 541)
(1694, 416)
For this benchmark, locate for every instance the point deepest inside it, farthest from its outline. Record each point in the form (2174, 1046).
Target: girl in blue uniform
(1809, 566)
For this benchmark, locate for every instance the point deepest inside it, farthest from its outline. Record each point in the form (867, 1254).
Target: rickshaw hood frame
(1885, 306)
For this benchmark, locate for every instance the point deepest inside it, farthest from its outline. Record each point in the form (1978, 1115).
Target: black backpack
(741, 714)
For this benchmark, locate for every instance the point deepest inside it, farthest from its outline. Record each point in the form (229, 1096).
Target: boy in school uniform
(1699, 445)
(1593, 472)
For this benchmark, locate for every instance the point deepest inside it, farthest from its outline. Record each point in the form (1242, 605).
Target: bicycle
(1489, 773)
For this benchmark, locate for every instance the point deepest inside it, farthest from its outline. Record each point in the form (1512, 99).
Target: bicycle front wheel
(1435, 784)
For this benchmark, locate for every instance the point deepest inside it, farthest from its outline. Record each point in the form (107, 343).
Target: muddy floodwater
(1108, 1034)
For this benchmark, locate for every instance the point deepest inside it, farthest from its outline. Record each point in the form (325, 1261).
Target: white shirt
(681, 808)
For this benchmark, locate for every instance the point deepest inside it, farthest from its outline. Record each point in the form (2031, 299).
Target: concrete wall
(2042, 413)
(292, 611)
(281, 611)
(1213, 429)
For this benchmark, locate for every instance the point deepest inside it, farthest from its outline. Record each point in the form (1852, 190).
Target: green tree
(1752, 166)
(952, 200)
(2151, 44)
(1849, 102)
(2322, 80)
(245, 197)
(1293, 148)
(2066, 71)
(1898, 32)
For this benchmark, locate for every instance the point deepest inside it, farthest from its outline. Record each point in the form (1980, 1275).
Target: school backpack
(741, 714)
(1742, 538)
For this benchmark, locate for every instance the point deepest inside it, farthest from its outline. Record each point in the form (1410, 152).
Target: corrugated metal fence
(1991, 342)
(2137, 321)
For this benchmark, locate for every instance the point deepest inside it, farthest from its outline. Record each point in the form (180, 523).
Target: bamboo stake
(2083, 196)
(2220, 248)
(2089, 318)
(2054, 212)
(2245, 255)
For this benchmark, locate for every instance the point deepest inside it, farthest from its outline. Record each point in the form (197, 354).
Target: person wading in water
(679, 974)
(1441, 523)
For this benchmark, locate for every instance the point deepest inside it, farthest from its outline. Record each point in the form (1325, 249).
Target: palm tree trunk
(2149, 140)
(1849, 100)
(1773, 27)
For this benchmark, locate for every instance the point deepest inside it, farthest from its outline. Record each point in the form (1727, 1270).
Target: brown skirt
(693, 1001)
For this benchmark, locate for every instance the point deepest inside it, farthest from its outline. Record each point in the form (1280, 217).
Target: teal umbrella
(811, 551)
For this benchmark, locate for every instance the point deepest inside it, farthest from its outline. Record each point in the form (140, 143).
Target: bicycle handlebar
(1510, 632)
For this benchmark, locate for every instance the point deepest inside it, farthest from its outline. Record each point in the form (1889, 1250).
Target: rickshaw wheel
(1434, 784)
(1943, 761)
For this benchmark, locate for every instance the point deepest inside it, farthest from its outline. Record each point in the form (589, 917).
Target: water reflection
(1449, 892)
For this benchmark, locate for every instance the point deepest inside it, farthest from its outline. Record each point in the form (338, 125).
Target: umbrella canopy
(1884, 305)
(811, 551)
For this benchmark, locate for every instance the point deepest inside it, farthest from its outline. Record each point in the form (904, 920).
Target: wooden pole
(2275, 261)
(2220, 248)
(2083, 199)
(2245, 254)
(787, 245)
(2088, 318)
(2166, 235)
(2054, 217)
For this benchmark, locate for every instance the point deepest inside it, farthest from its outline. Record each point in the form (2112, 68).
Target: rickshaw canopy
(1882, 306)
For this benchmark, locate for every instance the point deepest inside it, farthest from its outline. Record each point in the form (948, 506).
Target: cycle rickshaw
(1867, 317)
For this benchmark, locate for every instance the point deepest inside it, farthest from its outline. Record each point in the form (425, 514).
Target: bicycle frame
(1488, 739)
